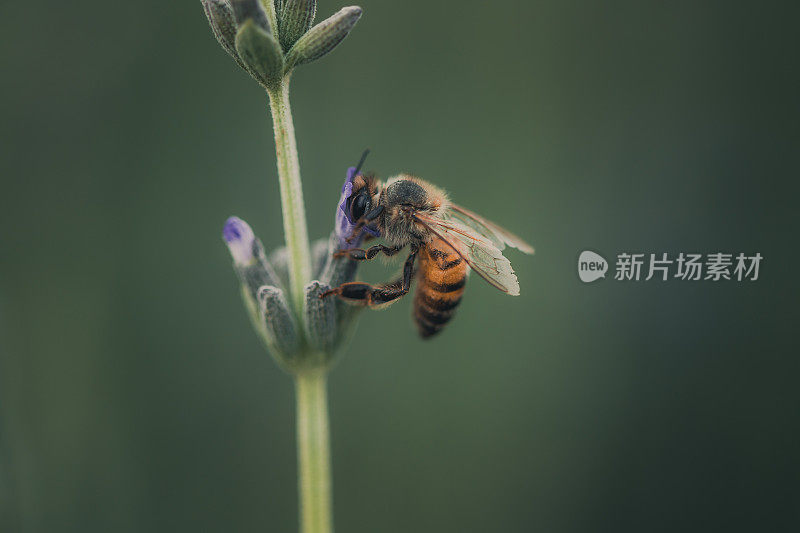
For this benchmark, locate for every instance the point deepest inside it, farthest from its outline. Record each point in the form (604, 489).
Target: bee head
(359, 195)
(358, 204)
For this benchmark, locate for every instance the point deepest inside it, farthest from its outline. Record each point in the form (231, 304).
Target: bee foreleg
(359, 254)
(375, 213)
(364, 221)
(374, 296)
(356, 230)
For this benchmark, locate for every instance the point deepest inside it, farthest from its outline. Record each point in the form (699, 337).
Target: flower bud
(248, 256)
(239, 237)
(323, 37)
(261, 291)
(244, 10)
(220, 17)
(344, 226)
(295, 18)
(329, 322)
(320, 317)
(260, 52)
(278, 325)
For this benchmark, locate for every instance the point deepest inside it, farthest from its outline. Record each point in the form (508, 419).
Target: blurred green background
(135, 397)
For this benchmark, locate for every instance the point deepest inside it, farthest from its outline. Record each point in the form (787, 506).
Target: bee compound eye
(359, 206)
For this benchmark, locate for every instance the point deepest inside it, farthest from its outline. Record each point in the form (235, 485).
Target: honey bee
(446, 240)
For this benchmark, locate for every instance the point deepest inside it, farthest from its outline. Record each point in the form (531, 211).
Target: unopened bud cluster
(268, 38)
(324, 324)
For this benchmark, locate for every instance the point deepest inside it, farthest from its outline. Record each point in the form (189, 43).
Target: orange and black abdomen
(441, 278)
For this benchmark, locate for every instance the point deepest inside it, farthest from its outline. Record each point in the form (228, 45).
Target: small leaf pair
(268, 39)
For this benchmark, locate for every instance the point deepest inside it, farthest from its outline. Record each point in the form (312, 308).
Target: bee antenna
(361, 161)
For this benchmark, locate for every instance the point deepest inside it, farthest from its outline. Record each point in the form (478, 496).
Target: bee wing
(499, 236)
(479, 251)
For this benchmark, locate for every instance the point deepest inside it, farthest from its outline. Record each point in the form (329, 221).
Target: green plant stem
(313, 448)
(313, 452)
(294, 213)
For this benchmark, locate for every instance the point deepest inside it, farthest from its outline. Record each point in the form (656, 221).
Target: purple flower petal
(239, 237)
(344, 223)
(351, 175)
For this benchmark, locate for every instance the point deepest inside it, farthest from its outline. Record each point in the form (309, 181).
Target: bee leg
(359, 254)
(373, 296)
(356, 230)
(375, 213)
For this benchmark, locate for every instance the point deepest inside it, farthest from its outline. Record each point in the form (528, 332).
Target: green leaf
(323, 37)
(295, 19)
(261, 53)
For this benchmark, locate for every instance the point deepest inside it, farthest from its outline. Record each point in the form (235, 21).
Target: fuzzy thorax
(402, 196)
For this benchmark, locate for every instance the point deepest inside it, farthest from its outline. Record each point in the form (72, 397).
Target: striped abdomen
(441, 278)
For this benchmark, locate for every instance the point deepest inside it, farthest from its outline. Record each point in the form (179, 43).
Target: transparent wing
(479, 251)
(499, 236)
